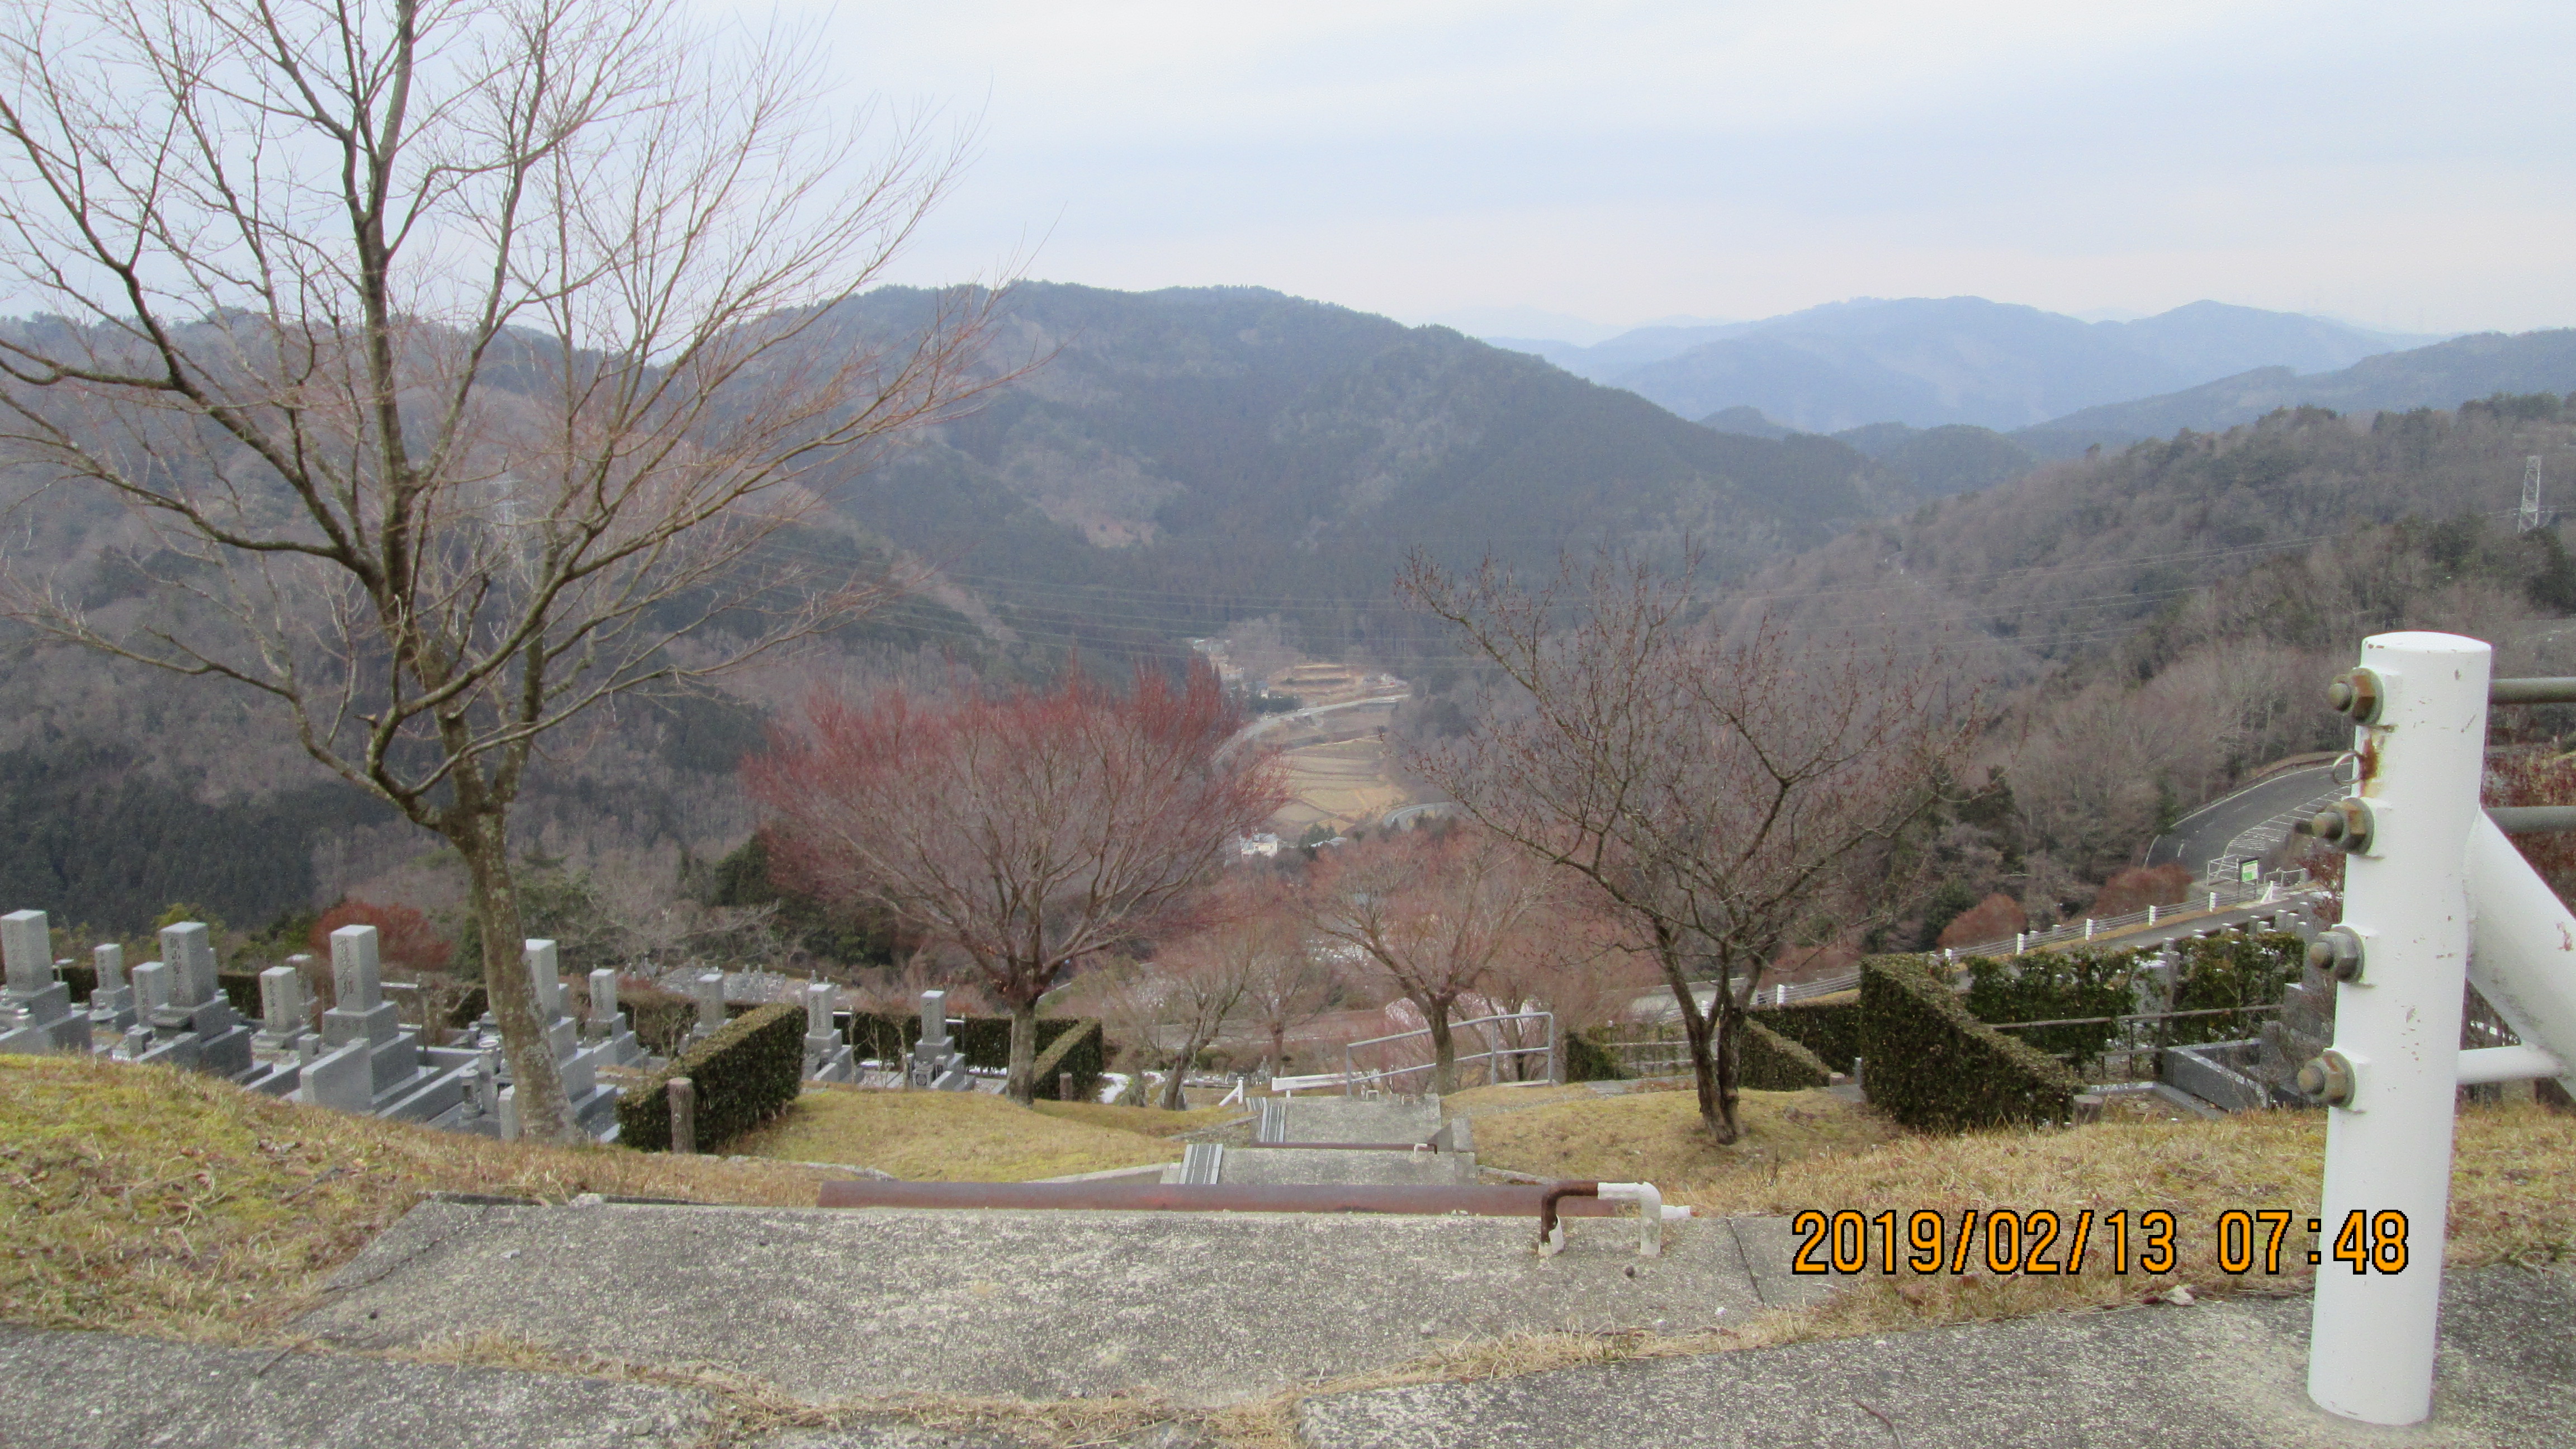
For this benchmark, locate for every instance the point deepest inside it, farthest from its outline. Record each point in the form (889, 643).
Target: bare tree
(1291, 984)
(1726, 796)
(1432, 909)
(1248, 945)
(457, 355)
(1028, 830)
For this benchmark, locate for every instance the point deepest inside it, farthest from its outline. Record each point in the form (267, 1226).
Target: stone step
(1356, 1119)
(1261, 1165)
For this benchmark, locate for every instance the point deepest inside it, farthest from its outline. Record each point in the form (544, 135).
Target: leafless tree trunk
(1433, 909)
(1724, 794)
(461, 354)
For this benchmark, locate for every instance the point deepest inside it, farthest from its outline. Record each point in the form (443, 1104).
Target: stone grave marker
(827, 1057)
(38, 1006)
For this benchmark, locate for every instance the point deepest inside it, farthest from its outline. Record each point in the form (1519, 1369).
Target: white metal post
(2388, 1147)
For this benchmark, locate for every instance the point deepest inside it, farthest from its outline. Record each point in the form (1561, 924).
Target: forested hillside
(1163, 465)
(1215, 445)
(2442, 375)
(2155, 623)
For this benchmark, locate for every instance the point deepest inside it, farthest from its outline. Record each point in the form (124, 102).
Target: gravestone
(38, 1006)
(400, 1079)
(936, 1065)
(111, 1001)
(281, 1010)
(197, 1027)
(827, 1057)
(707, 987)
(607, 1025)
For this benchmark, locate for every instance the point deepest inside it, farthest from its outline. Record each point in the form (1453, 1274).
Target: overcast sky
(2401, 165)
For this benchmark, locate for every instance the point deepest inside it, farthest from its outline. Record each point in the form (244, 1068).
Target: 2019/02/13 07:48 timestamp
(2043, 1241)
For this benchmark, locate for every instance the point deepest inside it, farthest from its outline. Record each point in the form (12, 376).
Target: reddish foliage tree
(1028, 830)
(1991, 919)
(2141, 886)
(404, 937)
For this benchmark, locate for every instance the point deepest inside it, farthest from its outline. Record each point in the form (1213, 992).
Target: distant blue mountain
(1929, 362)
(2443, 375)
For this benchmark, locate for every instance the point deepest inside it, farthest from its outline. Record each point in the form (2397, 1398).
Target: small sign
(2249, 871)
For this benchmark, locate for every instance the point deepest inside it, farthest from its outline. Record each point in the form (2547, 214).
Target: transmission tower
(2530, 517)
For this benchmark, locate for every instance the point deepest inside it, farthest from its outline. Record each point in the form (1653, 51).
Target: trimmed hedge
(1766, 1061)
(1830, 1029)
(1587, 1060)
(2056, 986)
(986, 1042)
(2232, 971)
(746, 1073)
(1932, 1065)
(1077, 1050)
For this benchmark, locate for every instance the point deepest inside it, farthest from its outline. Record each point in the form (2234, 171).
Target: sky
(2402, 166)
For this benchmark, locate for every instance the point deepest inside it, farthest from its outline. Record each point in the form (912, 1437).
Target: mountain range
(1928, 362)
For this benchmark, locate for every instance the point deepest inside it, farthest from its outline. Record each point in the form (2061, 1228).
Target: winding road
(2206, 833)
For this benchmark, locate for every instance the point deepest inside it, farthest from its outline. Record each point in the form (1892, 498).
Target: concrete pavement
(2224, 1374)
(107, 1391)
(1208, 1308)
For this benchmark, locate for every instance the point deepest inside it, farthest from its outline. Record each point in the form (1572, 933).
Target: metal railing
(1495, 1053)
(2285, 887)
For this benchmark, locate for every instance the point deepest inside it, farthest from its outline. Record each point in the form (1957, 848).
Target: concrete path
(1295, 1164)
(1208, 1308)
(94, 1390)
(2218, 1375)
(1360, 1119)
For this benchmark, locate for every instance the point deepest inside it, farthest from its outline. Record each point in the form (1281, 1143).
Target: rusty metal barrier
(1512, 1201)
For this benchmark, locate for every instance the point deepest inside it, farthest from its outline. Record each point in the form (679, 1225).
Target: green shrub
(1932, 1065)
(1830, 1029)
(1766, 1061)
(1587, 1060)
(2231, 971)
(1076, 1049)
(2056, 986)
(746, 1073)
(985, 1041)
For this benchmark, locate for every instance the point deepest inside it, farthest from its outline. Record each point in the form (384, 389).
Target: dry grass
(1482, 1102)
(156, 1200)
(949, 1137)
(2513, 1199)
(1656, 1137)
(1149, 1121)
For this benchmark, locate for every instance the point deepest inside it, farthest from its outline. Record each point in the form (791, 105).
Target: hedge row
(1930, 1064)
(745, 1074)
(1830, 1029)
(1079, 1050)
(1766, 1061)
(2056, 986)
(985, 1042)
(240, 987)
(1587, 1060)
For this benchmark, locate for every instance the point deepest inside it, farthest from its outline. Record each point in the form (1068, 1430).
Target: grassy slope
(1656, 1136)
(2513, 1185)
(961, 1136)
(156, 1200)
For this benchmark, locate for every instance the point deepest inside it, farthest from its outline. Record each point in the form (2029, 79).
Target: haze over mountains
(1934, 361)
(1175, 462)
